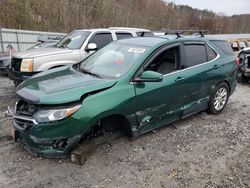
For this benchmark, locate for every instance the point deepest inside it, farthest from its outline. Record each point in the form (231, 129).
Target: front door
(159, 103)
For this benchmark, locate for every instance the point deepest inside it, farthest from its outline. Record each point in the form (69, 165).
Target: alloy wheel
(220, 98)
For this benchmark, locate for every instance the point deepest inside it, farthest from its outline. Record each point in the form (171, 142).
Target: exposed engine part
(26, 109)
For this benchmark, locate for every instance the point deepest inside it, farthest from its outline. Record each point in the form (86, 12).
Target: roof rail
(179, 32)
(127, 28)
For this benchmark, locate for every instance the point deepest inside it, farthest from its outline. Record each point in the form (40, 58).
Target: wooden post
(87, 147)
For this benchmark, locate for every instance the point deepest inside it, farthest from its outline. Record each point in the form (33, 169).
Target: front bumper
(18, 77)
(50, 140)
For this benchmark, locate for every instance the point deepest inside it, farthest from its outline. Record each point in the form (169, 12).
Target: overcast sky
(228, 7)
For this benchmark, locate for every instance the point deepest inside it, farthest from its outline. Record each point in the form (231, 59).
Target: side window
(101, 39)
(166, 62)
(210, 53)
(224, 46)
(195, 54)
(123, 35)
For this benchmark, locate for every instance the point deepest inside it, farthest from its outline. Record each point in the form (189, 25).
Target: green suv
(132, 85)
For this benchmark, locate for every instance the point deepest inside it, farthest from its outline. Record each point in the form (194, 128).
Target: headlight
(54, 115)
(27, 65)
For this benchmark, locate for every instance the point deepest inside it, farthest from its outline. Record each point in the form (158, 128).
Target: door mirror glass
(150, 76)
(91, 47)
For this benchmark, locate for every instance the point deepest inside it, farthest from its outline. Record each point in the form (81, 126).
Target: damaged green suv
(132, 85)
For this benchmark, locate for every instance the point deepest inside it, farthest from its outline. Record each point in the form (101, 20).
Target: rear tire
(219, 99)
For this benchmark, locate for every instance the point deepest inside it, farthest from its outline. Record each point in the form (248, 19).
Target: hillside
(65, 15)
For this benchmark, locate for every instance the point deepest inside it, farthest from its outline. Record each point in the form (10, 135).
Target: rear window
(224, 46)
(210, 53)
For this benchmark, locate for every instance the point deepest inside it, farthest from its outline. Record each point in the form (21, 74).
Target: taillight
(237, 61)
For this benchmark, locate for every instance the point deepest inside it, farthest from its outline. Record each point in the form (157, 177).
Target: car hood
(60, 85)
(41, 52)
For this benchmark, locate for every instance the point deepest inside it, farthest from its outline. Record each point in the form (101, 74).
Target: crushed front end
(52, 137)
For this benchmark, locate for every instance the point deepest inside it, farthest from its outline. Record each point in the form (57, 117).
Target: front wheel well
(108, 124)
(116, 122)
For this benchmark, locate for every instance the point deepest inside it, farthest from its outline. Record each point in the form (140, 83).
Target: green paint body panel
(146, 105)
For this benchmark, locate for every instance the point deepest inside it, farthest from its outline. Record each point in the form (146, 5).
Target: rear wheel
(219, 99)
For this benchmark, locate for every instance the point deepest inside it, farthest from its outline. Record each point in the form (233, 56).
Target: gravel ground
(201, 151)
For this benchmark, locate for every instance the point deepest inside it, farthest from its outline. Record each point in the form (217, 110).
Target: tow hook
(9, 112)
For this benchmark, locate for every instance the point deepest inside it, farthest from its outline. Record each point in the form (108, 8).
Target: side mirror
(91, 47)
(150, 76)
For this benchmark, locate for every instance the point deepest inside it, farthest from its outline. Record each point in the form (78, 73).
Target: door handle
(180, 78)
(216, 66)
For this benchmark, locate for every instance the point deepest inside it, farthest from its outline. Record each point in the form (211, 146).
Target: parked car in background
(6, 59)
(43, 41)
(43, 45)
(47, 38)
(239, 44)
(75, 47)
(131, 85)
(244, 65)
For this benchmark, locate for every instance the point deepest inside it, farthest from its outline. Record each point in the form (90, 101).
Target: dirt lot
(200, 151)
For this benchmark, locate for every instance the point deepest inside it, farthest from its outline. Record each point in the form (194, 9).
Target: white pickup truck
(73, 48)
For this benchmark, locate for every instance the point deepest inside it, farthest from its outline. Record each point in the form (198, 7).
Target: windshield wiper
(90, 73)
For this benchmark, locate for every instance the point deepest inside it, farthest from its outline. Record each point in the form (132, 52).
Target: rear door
(202, 69)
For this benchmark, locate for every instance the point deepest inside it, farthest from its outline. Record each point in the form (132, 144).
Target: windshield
(73, 40)
(114, 60)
